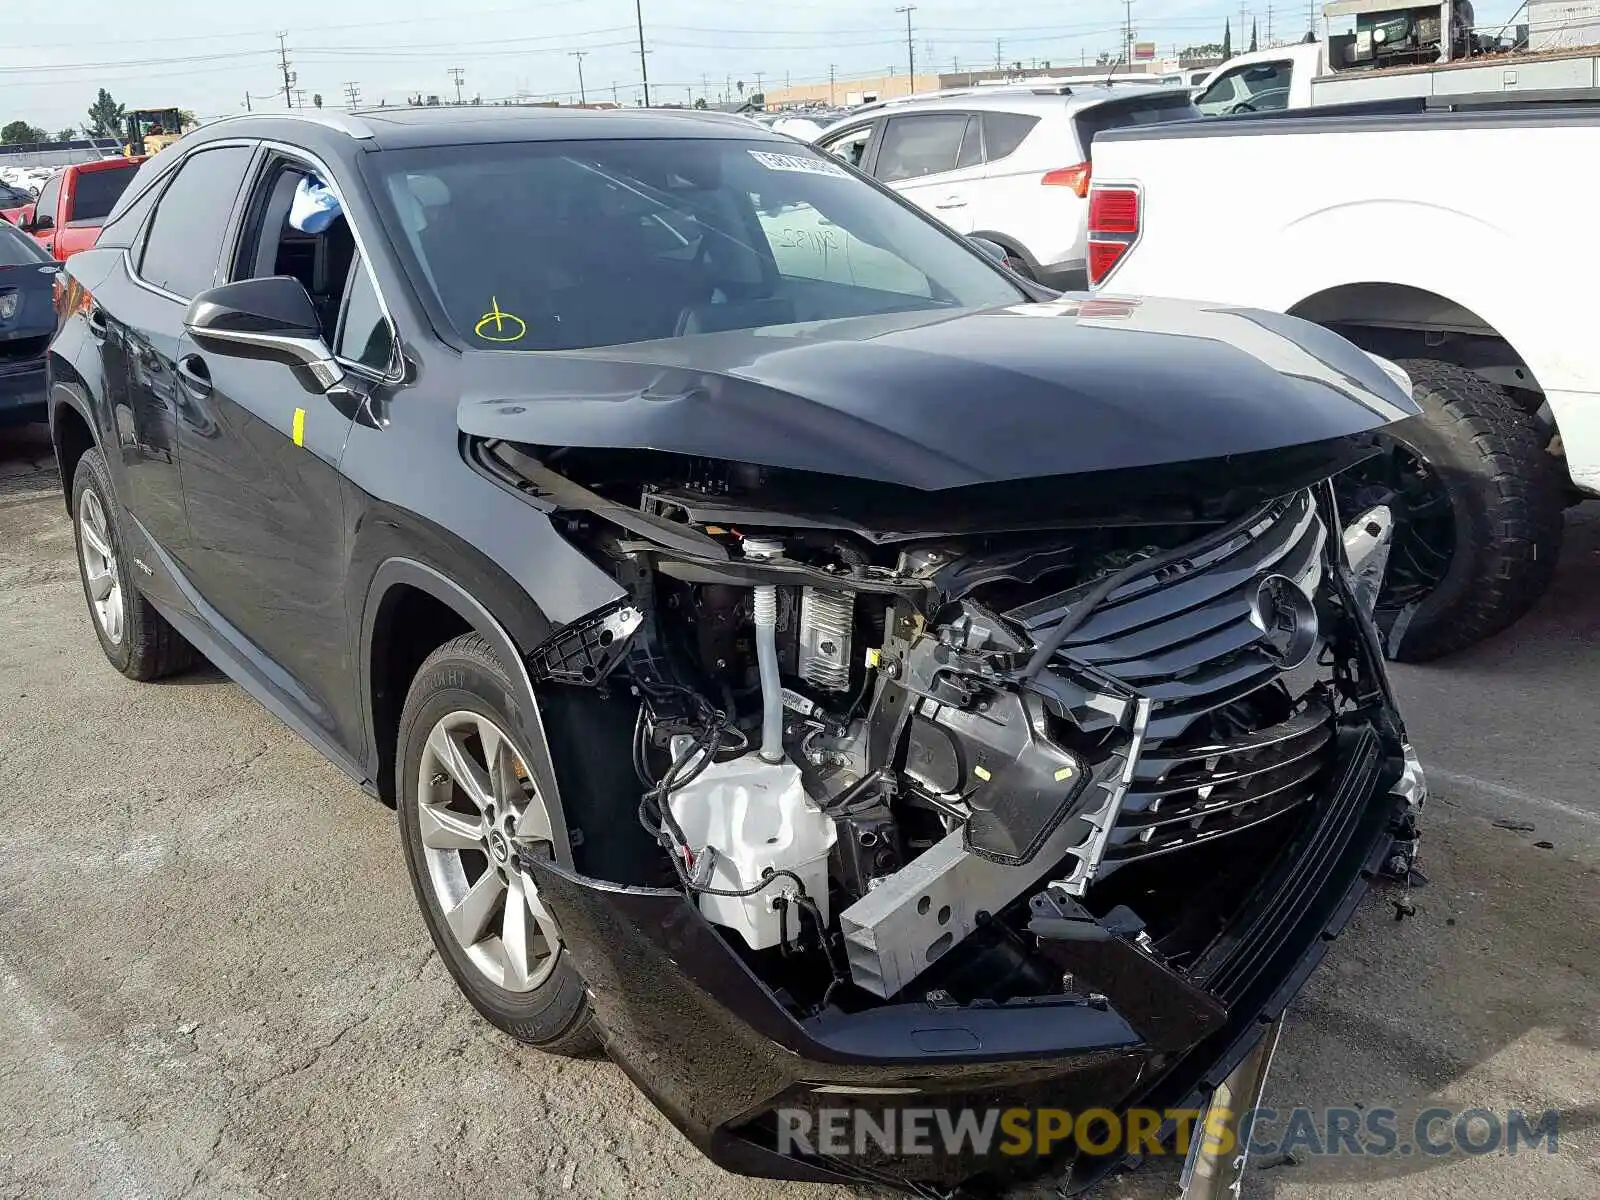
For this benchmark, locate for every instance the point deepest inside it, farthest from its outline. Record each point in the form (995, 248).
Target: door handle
(195, 375)
(96, 321)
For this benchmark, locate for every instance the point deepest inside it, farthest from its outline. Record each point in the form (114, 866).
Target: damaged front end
(1037, 793)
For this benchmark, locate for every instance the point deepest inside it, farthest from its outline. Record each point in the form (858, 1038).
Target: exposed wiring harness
(655, 815)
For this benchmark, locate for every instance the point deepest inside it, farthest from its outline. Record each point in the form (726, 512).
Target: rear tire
(1487, 455)
(135, 637)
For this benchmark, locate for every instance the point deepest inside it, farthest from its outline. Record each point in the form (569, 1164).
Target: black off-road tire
(1507, 495)
(148, 648)
(466, 675)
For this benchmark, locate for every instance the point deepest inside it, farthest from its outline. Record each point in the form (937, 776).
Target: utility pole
(1269, 22)
(352, 93)
(283, 62)
(911, 49)
(583, 96)
(830, 85)
(300, 97)
(1127, 32)
(644, 72)
(997, 53)
(457, 74)
(247, 107)
(758, 75)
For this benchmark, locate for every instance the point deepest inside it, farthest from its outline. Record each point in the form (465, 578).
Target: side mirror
(991, 250)
(271, 318)
(38, 223)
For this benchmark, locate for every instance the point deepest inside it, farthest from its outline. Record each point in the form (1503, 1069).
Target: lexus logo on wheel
(1287, 620)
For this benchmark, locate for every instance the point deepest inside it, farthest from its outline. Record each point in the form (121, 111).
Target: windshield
(569, 245)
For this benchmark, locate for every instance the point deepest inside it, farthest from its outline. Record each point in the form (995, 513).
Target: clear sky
(207, 56)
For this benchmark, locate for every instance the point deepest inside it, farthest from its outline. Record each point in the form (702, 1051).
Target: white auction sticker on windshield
(798, 163)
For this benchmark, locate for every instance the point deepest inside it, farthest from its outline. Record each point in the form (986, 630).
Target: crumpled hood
(937, 400)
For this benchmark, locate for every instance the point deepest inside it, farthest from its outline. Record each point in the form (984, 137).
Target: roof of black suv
(403, 127)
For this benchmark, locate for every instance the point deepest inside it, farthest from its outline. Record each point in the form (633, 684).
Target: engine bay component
(586, 651)
(1017, 784)
(914, 917)
(746, 821)
(1367, 542)
(826, 621)
(863, 750)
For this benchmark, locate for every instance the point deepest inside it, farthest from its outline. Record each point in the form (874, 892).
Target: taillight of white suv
(1114, 213)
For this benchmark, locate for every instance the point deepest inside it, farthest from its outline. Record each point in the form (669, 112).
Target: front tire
(137, 639)
(468, 809)
(1478, 531)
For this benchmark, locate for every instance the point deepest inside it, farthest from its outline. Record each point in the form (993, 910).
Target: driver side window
(270, 245)
(851, 147)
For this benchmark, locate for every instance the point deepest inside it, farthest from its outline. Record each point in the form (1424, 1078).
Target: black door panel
(267, 518)
(145, 406)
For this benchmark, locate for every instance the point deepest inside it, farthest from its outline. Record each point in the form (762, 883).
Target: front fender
(408, 573)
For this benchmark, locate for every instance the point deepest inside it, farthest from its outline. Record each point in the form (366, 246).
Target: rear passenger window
(185, 238)
(922, 145)
(1003, 132)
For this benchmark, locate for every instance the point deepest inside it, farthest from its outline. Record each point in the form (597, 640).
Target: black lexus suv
(807, 661)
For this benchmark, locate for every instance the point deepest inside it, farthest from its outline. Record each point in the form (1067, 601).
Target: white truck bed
(1475, 222)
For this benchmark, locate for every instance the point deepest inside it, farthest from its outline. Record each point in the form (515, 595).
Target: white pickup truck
(1455, 238)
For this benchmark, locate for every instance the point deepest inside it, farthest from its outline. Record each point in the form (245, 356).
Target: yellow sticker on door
(299, 427)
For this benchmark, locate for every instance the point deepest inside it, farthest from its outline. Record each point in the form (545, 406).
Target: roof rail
(338, 122)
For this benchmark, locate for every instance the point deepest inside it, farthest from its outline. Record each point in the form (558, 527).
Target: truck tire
(1483, 504)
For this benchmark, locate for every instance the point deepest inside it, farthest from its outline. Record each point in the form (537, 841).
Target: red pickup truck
(74, 203)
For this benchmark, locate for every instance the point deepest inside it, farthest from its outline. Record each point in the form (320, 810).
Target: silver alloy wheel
(478, 810)
(100, 572)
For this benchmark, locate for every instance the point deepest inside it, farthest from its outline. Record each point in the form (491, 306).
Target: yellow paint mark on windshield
(498, 326)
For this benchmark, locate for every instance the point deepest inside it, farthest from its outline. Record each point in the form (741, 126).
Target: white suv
(1010, 164)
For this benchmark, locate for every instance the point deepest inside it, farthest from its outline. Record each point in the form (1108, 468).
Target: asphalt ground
(214, 982)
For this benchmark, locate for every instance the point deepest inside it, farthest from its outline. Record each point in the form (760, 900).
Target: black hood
(937, 400)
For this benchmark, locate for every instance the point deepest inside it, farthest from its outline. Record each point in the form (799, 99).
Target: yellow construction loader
(151, 130)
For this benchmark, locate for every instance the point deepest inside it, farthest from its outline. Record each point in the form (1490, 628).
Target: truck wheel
(1478, 505)
(468, 811)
